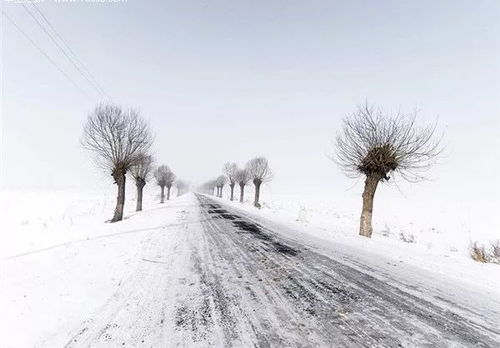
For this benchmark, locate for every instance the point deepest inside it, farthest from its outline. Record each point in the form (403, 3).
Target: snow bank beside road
(61, 262)
(440, 247)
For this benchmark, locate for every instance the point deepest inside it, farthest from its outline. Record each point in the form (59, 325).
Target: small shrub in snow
(407, 238)
(478, 253)
(386, 232)
(495, 251)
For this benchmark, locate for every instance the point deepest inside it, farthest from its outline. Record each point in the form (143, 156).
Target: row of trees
(165, 178)
(371, 144)
(256, 170)
(121, 142)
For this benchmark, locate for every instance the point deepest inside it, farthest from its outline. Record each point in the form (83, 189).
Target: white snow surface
(60, 261)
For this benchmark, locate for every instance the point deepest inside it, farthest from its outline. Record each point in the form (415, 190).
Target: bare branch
(231, 169)
(258, 170)
(242, 177)
(164, 176)
(143, 167)
(372, 143)
(221, 181)
(117, 138)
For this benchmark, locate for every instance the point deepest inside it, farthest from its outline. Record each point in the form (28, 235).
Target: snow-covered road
(219, 276)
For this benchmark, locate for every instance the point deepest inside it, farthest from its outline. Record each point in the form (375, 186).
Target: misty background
(226, 81)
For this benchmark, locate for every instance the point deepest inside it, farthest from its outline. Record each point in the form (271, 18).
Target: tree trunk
(242, 192)
(220, 193)
(140, 186)
(365, 226)
(168, 192)
(257, 195)
(162, 196)
(232, 191)
(119, 177)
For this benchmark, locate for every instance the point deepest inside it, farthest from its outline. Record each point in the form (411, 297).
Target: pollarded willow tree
(141, 173)
(376, 146)
(259, 172)
(118, 138)
(219, 183)
(242, 178)
(165, 177)
(170, 181)
(230, 169)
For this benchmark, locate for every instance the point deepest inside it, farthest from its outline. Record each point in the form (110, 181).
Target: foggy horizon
(226, 82)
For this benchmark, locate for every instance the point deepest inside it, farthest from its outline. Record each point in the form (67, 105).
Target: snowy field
(44, 219)
(56, 259)
(60, 260)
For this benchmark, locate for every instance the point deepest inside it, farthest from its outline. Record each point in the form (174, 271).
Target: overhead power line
(75, 56)
(45, 54)
(63, 51)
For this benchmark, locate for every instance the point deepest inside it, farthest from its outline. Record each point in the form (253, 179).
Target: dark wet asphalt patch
(252, 228)
(222, 214)
(217, 211)
(285, 249)
(229, 216)
(255, 230)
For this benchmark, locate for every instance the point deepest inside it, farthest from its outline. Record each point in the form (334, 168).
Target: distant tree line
(257, 170)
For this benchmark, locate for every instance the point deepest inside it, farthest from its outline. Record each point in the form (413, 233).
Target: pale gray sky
(228, 80)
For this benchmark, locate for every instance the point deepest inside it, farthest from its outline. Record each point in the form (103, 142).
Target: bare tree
(375, 145)
(230, 169)
(164, 178)
(242, 178)
(141, 172)
(220, 182)
(259, 172)
(170, 182)
(117, 138)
